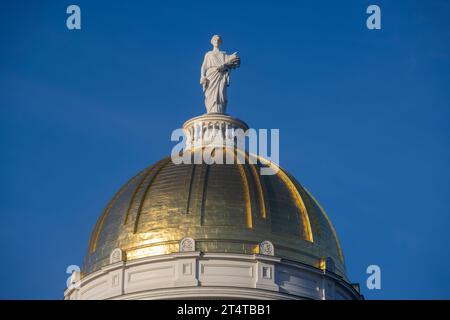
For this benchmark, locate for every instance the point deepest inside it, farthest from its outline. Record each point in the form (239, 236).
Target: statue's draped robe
(217, 81)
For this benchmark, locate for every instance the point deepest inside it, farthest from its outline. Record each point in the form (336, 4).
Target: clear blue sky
(364, 119)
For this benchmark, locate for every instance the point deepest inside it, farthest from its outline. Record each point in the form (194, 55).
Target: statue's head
(216, 40)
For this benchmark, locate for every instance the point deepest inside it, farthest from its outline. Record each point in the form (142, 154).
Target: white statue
(215, 76)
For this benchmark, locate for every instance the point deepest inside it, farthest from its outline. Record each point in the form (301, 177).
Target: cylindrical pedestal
(212, 129)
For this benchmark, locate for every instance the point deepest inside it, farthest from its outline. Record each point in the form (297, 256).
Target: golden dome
(224, 207)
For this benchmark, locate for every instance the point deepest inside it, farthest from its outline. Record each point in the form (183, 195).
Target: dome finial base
(212, 129)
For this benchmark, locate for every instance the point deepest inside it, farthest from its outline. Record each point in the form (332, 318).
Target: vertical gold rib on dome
(262, 201)
(338, 244)
(299, 202)
(313, 215)
(248, 205)
(188, 200)
(203, 198)
(133, 197)
(99, 225)
(157, 170)
(311, 211)
(307, 231)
